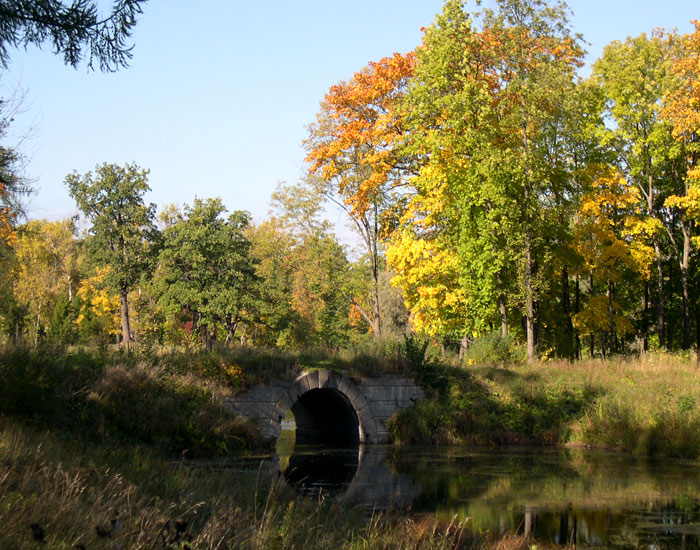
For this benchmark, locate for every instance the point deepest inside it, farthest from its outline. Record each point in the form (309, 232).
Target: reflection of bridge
(328, 407)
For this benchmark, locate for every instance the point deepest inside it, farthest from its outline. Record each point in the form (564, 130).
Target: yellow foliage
(427, 274)
(595, 317)
(97, 301)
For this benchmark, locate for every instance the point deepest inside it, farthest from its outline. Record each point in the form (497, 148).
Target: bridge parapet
(374, 400)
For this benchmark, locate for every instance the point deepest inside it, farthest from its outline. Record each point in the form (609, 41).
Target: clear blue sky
(218, 93)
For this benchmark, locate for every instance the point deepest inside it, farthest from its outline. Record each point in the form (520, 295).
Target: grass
(91, 443)
(53, 495)
(98, 399)
(648, 405)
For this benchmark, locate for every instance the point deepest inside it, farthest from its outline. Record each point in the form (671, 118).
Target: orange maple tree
(352, 151)
(357, 128)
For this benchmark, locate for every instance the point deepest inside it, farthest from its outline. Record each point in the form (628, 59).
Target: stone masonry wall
(375, 400)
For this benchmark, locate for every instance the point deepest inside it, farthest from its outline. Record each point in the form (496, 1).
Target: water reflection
(558, 496)
(360, 475)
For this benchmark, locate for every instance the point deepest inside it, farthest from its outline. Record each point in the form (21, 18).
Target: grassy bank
(647, 405)
(91, 443)
(103, 399)
(56, 495)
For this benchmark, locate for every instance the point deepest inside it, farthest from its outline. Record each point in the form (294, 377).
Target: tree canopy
(75, 30)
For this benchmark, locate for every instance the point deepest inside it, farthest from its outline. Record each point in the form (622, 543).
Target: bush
(121, 400)
(494, 349)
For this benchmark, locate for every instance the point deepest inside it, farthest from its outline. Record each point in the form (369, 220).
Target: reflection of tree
(571, 495)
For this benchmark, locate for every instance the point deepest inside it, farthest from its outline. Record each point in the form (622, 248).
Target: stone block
(370, 426)
(294, 392)
(344, 385)
(334, 379)
(385, 409)
(372, 393)
(312, 379)
(285, 402)
(324, 377)
(303, 383)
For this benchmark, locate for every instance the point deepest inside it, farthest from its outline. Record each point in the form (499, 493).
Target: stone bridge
(328, 407)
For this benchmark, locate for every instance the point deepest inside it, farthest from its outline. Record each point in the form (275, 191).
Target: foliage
(490, 185)
(354, 163)
(71, 29)
(44, 268)
(123, 230)
(494, 350)
(306, 280)
(206, 269)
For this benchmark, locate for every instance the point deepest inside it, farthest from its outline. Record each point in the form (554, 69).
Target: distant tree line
(494, 191)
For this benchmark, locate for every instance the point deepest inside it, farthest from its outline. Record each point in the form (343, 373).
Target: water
(569, 496)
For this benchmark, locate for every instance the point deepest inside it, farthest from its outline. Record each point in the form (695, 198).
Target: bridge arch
(328, 408)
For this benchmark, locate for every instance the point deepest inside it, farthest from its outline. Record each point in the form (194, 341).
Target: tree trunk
(684, 265)
(377, 325)
(463, 347)
(660, 302)
(126, 325)
(611, 318)
(645, 327)
(529, 300)
(502, 306)
(697, 334)
(577, 307)
(231, 327)
(566, 306)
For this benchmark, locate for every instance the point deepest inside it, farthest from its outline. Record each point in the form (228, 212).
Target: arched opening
(325, 416)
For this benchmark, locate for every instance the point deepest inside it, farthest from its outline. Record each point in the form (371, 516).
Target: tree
(124, 234)
(304, 275)
(682, 109)
(43, 270)
(13, 185)
(634, 77)
(483, 116)
(207, 268)
(354, 161)
(608, 219)
(74, 30)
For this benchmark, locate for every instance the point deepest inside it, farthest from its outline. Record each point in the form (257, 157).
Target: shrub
(494, 349)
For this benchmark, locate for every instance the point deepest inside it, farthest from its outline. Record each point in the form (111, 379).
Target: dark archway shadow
(325, 416)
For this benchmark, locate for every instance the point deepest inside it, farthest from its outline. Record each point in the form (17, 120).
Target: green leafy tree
(634, 76)
(304, 273)
(207, 268)
(484, 113)
(123, 230)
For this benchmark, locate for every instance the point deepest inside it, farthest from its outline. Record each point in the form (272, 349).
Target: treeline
(512, 195)
(191, 276)
(497, 190)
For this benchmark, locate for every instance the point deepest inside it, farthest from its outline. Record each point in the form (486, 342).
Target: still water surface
(560, 496)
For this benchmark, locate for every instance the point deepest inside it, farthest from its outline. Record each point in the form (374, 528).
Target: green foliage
(494, 349)
(72, 30)
(105, 399)
(206, 268)
(62, 328)
(125, 238)
(123, 229)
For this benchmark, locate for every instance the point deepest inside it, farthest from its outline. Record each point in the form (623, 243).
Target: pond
(560, 496)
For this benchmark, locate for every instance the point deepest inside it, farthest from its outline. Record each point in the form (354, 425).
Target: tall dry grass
(648, 405)
(53, 495)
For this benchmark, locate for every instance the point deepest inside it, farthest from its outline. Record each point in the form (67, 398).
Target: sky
(218, 94)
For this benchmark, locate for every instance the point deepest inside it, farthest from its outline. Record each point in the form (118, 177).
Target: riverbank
(61, 495)
(93, 445)
(173, 401)
(647, 405)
